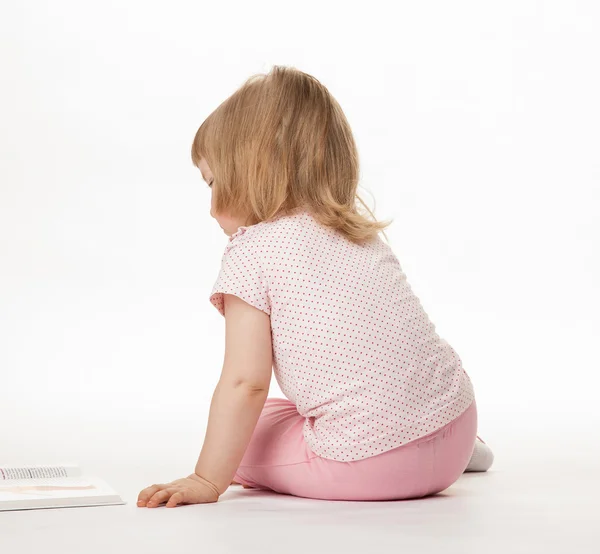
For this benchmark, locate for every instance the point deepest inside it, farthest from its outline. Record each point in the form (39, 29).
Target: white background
(477, 127)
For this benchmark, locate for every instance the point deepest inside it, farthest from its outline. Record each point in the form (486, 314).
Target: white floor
(521, 505)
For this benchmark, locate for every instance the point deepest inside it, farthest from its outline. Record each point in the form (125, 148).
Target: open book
(28, 488)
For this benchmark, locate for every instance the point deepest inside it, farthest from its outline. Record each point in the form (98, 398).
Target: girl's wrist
(207, 483)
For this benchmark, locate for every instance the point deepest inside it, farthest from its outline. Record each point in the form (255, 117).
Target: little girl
(378, 406)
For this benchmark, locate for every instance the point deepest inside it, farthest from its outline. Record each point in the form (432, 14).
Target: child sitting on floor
(378, 406)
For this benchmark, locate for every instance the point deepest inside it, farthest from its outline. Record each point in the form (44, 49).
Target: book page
(49, 488)
(38, 472)
(18, 483)
(54, 488)
(31, 487)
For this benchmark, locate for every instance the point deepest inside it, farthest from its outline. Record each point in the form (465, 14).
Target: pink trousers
(279, 459)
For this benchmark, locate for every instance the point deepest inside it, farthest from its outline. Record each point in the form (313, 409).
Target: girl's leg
(451, 449)
(278, 459)
(277, 441)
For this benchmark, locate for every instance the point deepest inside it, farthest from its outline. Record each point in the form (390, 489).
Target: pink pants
(279, 459)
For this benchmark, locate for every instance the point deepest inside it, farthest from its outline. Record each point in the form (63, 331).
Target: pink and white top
(352, 346)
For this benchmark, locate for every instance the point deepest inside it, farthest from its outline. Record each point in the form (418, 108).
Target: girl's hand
(190, 490)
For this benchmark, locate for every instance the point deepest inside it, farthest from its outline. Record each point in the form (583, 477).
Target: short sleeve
(241, 275)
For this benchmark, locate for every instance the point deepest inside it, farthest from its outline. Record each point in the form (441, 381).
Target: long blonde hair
(282, 142)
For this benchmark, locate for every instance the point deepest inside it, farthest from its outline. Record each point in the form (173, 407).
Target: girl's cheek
(212, 205)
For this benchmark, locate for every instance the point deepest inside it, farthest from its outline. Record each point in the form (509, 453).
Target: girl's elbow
(252, 388)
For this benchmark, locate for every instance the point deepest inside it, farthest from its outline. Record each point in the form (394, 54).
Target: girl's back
(352, 346)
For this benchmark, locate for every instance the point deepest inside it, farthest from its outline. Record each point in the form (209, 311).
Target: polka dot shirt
(352, 346)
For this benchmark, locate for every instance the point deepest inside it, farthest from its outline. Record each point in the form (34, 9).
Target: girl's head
(279, 143)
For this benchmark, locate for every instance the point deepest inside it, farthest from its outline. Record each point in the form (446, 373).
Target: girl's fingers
(175, 499)
(160, 497)
(148, 492)
(173, 494)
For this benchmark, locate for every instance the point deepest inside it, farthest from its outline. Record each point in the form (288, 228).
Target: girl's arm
(240, 394)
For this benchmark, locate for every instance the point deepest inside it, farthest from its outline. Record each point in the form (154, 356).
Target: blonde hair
(282, 142)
